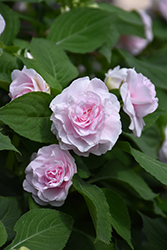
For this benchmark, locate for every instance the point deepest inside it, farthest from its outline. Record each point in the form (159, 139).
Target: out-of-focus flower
(49, 175)
(29, 55)
(138, 95)
(129, 5)
(163, 149)
(2, 24)
(86, 117)
(114, 77)
(163, 8)
(134, 44)
(25, 81)
(20, 6)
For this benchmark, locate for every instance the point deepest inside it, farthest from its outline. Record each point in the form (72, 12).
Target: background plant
(118, 200)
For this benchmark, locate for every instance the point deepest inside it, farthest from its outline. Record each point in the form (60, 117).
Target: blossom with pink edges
(25, 81)
(138, 95)
(49, 175)
(86, 117)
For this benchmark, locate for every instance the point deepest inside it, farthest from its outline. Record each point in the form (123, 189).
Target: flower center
(86, 110)
(54, 174)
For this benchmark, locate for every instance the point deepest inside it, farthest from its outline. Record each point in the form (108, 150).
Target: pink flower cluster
(86, 120)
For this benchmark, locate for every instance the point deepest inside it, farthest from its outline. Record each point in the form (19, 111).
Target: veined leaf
(5, 143)
(54, 60)
(3, 234)
(42, 229)
(117, 171)
(9, 214)
(29, 116)
(8, 63)
(53, 82)
(98, 208)
(120, 219)
(154, 167)
(127, 22)
(81, 30)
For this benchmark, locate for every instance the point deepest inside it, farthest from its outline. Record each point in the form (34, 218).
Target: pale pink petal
(2, 24)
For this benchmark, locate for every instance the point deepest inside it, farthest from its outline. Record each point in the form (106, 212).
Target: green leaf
(4, 81)
(33, 204)
(9, 214)
(149, 142)
(54, 60)
(120, 219)
(111, 40)
(162, 102)
(156, 231)
(98, 208)
(157, 209)
(154, 167)
(82, 169)
(118, 171)
(83, 238)
(22, 44)
(29, 116)
(5, 143)
(159, 29)
(127, 22)
(42, 229)
(81, 30)
(154, 72)
(12, 24)
(152, 118)
(79, 241)
(3, 234)
(8, 63)
(99, 245)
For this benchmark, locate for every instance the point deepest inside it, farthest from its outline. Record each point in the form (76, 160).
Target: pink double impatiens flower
(86, 117)
(25, 81)
(49, 175)
(138, 95)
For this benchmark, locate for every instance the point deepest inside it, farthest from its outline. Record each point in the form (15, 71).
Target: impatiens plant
(83, 116)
